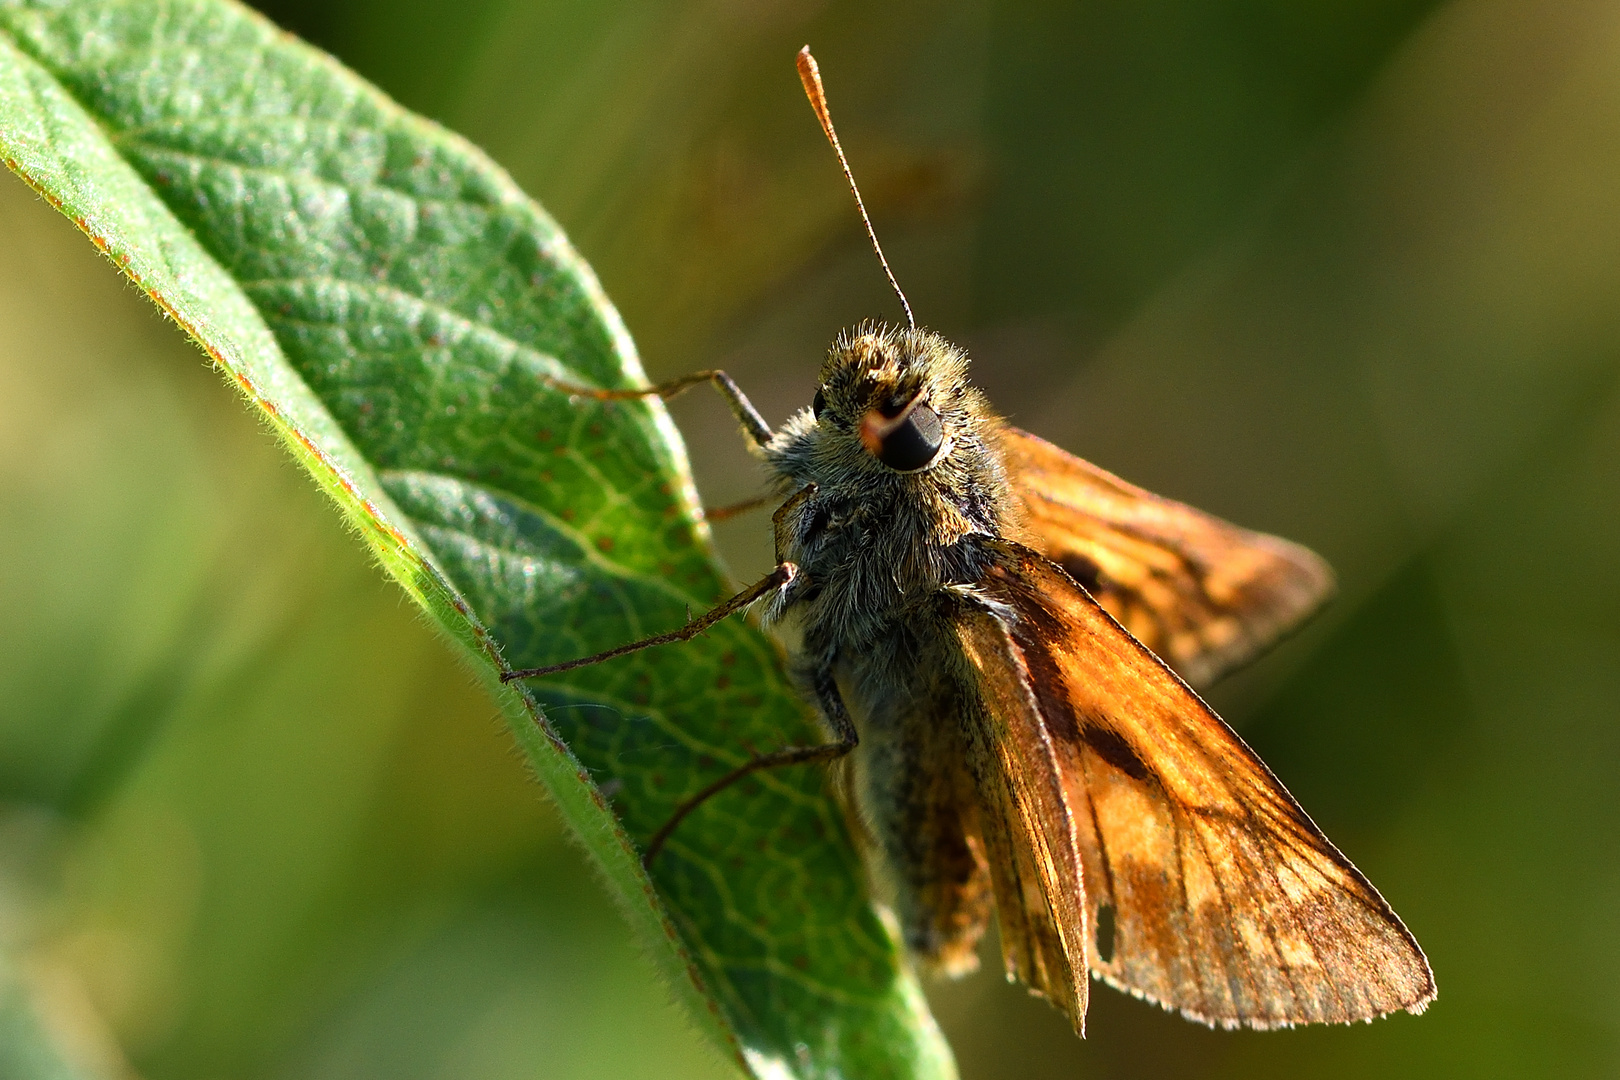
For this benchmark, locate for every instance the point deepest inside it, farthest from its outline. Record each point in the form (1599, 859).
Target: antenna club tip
(810, 76)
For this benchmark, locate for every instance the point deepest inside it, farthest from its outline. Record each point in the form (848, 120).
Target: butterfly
(1002, 641)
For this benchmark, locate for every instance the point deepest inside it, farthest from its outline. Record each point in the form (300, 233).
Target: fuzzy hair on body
(886, 560)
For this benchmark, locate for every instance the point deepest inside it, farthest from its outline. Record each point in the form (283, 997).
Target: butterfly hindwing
(1207, 889)
(1026, 826)
(1203, 594)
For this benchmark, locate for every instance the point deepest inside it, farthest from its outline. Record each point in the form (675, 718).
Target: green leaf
(394, 306)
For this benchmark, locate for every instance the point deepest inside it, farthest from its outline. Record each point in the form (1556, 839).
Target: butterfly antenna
(810, 75)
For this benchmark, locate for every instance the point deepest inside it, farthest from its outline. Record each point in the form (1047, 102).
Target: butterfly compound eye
(818, 404)
(914, 443)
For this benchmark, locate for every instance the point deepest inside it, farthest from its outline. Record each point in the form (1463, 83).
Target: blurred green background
(1349, 272)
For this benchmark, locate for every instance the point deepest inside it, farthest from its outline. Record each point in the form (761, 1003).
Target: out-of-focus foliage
(1341, 271)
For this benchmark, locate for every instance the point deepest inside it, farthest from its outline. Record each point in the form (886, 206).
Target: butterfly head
(893, 401)
(893, 411)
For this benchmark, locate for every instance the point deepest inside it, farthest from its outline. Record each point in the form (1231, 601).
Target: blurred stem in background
(1339, 271)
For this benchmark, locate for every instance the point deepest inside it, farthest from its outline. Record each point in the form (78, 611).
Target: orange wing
(1207, 889)
(1205, 595)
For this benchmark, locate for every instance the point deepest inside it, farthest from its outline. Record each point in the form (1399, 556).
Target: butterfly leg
(722, 513)
(741, 407)
(776, 579)
(845, 739)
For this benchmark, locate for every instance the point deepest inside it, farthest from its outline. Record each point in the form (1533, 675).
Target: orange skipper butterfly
(1003, 640)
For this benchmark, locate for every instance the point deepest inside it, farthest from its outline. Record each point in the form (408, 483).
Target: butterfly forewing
(1207, 888)
(1205, 595)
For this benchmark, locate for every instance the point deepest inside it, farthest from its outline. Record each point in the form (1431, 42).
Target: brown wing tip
(1421, 1006)
(1319, 583)
(1301, 587)
(1077, 1016)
